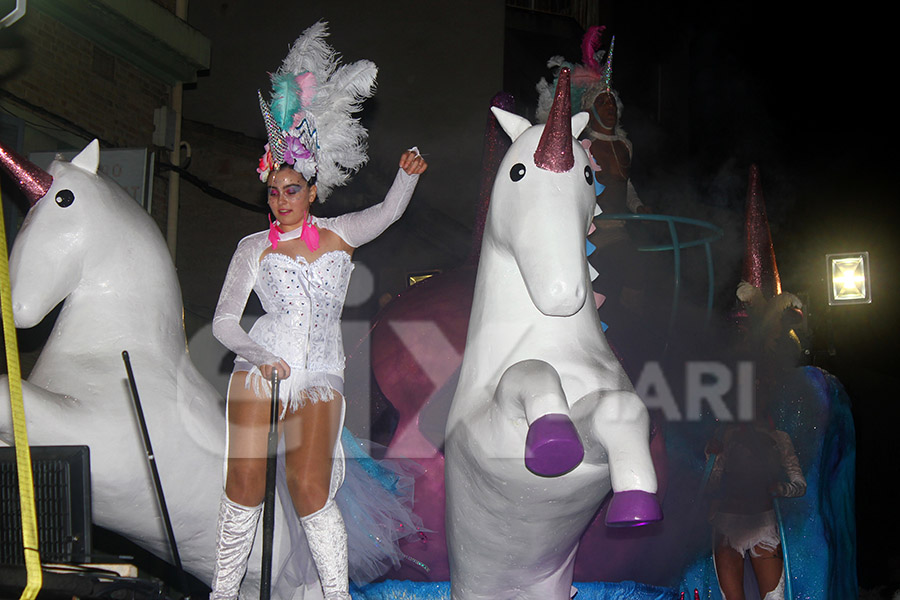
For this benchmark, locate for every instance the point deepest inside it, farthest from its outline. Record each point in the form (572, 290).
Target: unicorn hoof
(633, 508)
(552, 446)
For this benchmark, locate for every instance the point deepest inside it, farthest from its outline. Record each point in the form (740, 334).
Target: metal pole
(151, 459)
(265, 582)
(181, 11)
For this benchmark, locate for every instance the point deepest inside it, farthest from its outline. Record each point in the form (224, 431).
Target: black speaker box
(62, 495)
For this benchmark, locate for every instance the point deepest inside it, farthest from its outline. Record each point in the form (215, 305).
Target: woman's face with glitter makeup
(289, 197)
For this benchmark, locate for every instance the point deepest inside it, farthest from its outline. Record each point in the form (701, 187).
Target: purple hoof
(633, 508)
(552, 446)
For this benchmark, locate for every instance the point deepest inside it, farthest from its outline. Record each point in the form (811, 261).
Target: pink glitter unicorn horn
(554, 151)
(31, 179)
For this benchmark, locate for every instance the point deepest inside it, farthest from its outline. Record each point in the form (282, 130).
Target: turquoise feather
(285, 100)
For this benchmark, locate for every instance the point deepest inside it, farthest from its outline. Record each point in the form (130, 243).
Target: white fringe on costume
(294, 391)
(744, 533)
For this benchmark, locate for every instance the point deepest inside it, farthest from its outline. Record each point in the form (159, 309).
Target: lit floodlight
(848, 278)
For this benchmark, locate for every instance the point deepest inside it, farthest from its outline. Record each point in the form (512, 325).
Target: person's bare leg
(310, 437)
(769, 569)
(311, 434)
(248, 427)
(729, 571)
(248, 421)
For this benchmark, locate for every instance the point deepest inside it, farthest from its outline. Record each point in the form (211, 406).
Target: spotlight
(848, 278)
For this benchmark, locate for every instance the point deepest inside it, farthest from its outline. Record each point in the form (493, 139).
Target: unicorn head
(542, 204)
(74, 240)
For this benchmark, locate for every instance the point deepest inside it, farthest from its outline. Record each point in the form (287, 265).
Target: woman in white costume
(300, 269)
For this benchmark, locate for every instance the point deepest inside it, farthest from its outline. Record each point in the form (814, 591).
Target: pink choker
(308, 233)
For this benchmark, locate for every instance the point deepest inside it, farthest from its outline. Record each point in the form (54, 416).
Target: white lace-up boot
(236, 531)
(327, 538)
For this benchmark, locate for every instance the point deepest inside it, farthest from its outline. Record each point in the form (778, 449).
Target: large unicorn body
(544, 421)
(88, 243)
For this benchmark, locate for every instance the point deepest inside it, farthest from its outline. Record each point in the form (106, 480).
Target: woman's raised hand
(412, 162)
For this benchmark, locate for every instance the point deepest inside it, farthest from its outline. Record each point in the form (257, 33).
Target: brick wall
(209, 228)
(67, 75)
(67, 80)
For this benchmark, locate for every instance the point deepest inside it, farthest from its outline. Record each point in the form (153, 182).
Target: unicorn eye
(589, 175)
(517, 172)
(65, 198)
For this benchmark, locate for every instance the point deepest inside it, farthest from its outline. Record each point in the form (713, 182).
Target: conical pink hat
(554, 151)
(760, 268)
(31, 179)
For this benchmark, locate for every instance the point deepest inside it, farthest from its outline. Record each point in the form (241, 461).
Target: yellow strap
(20, 432)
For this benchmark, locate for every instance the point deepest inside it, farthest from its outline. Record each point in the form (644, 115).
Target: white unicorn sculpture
(544, 420)
(88, 243)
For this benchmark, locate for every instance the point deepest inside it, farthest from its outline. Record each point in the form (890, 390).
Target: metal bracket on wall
(14, 15)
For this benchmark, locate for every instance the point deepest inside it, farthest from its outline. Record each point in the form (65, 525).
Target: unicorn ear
(579, 122)
(89, 158)
(512, 124)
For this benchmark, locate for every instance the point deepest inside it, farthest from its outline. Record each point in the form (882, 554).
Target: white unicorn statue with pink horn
(89, 244)
(544, 422)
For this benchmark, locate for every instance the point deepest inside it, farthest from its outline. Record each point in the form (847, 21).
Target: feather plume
(285, 100)
(590, 44)
(311, 53)
(313, 88)
(555, 62)
(749, 293)
(356, 80)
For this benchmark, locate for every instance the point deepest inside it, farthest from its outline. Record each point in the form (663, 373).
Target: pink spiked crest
(554, 151)
(31, 179)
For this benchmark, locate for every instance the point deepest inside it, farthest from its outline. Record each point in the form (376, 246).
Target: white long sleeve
(361, 227)
(795, 486)
(239, 281)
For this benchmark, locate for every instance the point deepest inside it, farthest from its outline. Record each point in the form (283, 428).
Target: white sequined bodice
(303, 303)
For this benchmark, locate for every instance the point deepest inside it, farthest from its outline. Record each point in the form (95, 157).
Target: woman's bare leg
(248, 421)
(248, 426)
(730, 571)
(311, 435)
(768, 567)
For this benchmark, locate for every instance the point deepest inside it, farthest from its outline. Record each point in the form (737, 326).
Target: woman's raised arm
(361, 227)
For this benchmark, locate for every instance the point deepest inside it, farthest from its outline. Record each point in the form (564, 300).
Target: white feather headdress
(588, 79)
(310, 120)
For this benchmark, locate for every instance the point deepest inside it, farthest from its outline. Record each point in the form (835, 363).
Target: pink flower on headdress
(294, 150)
(265, 165)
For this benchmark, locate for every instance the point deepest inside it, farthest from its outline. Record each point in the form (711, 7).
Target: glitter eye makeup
(289, 191)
